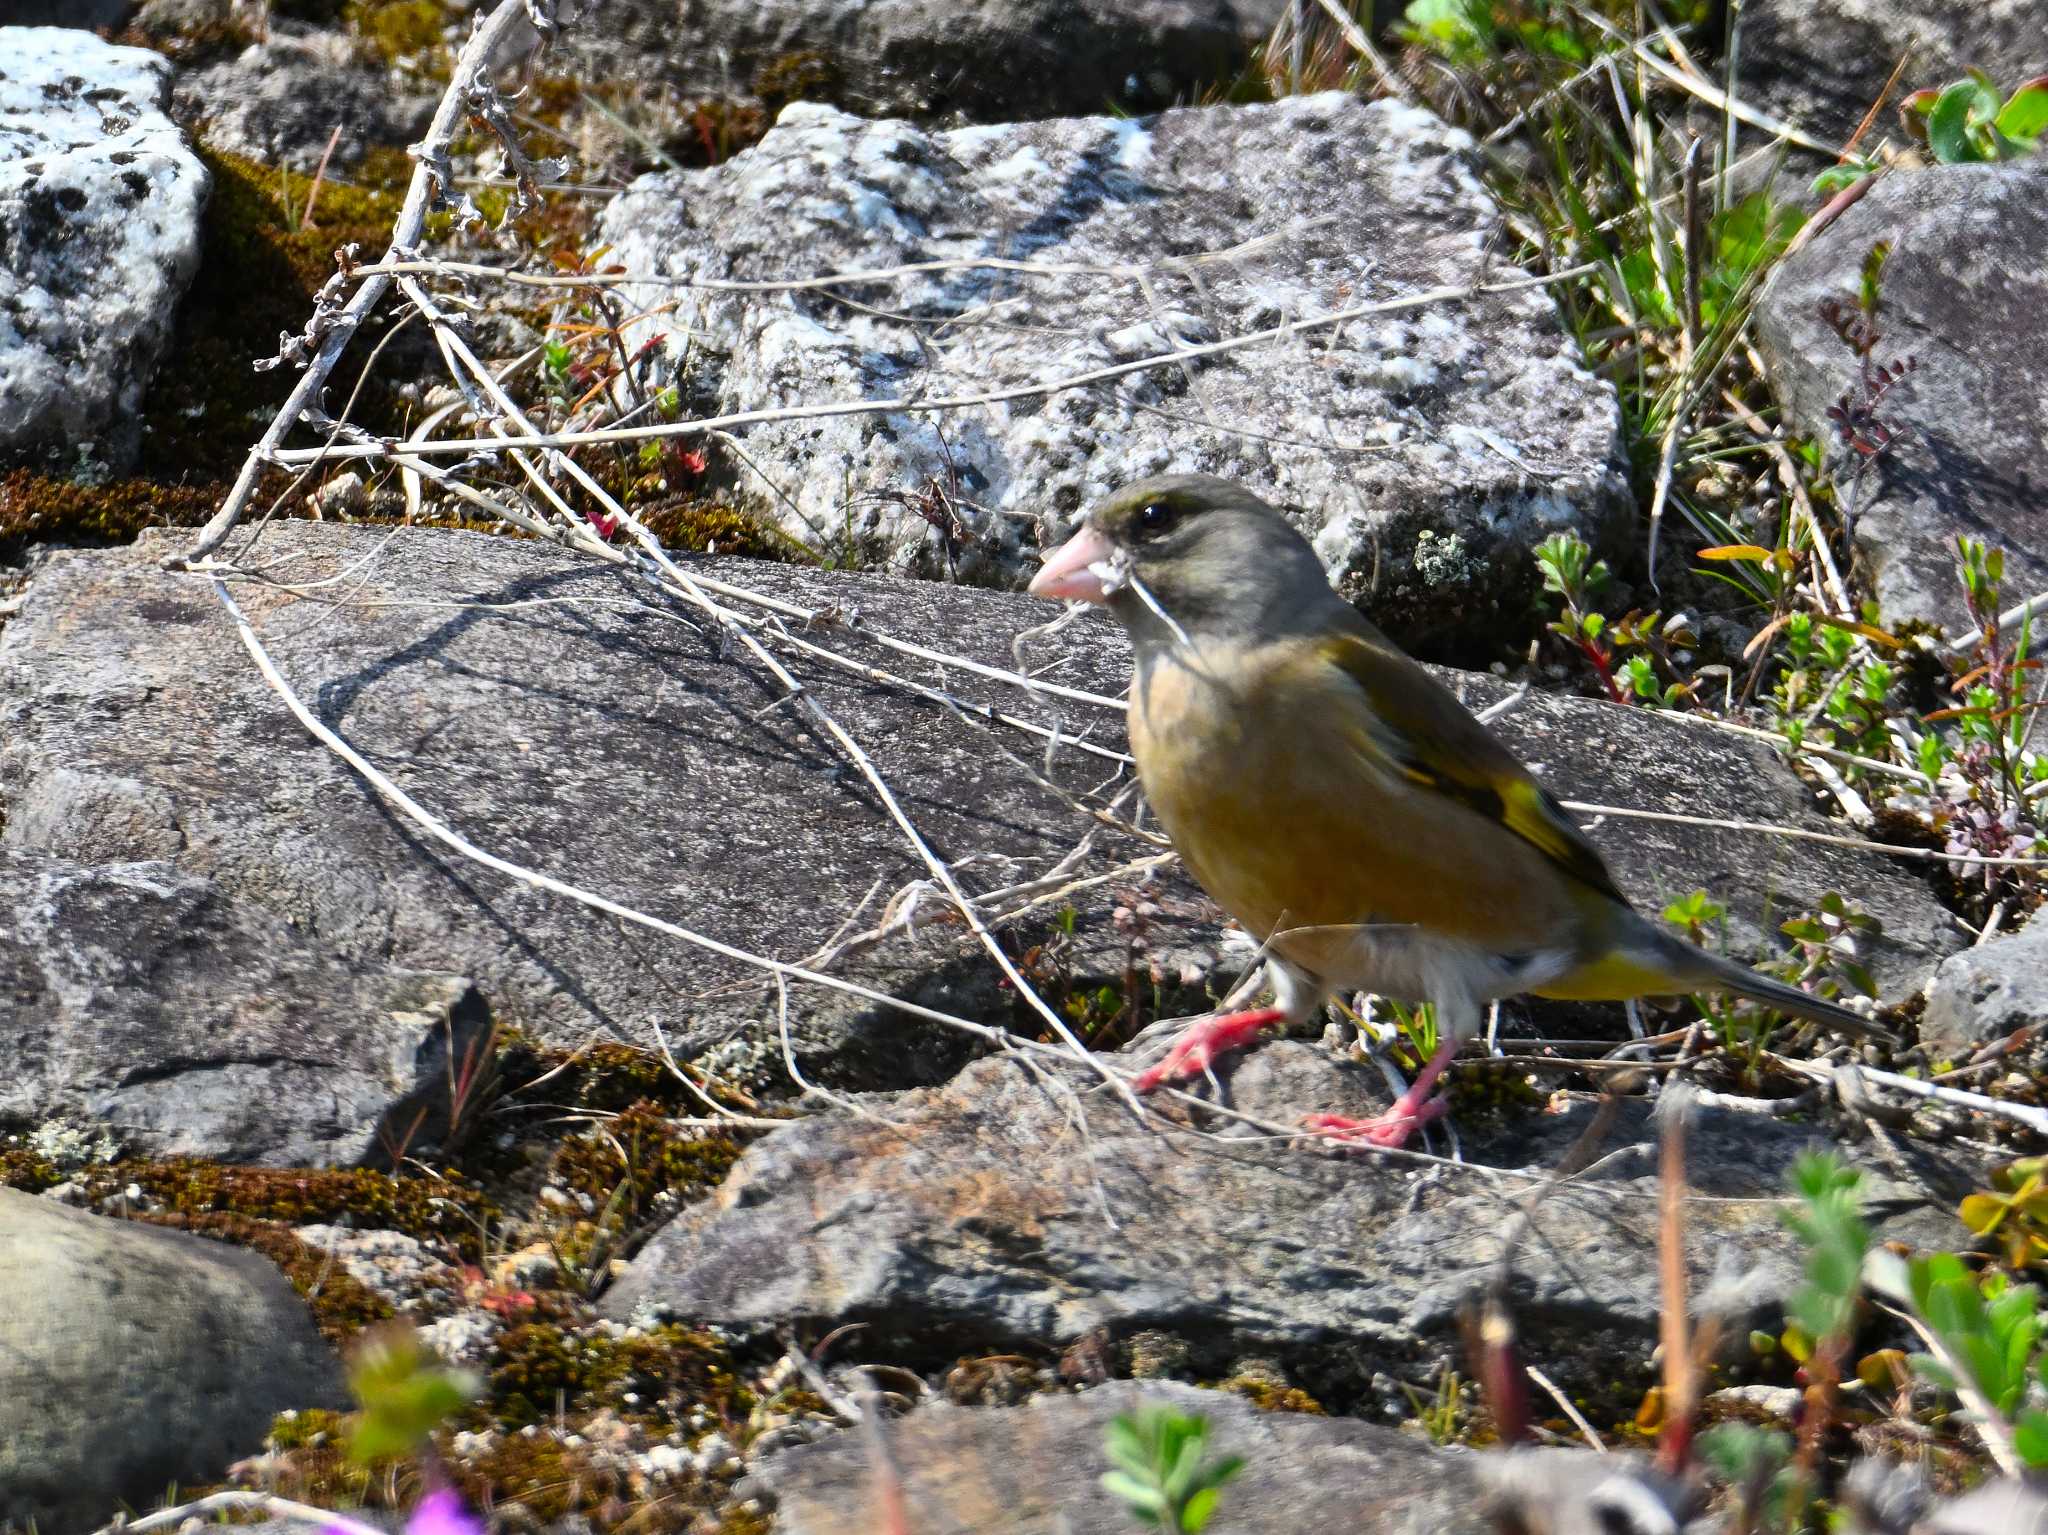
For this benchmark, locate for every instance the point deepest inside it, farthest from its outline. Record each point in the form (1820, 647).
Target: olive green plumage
(1339, 801)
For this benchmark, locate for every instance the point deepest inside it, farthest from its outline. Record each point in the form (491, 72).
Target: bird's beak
(1074, 572)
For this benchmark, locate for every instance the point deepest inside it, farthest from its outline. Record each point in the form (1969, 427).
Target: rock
(279, 101)
(1035, 1470)
(768, 843)
(1964, 295)
(620, 748)
(146, 998)
(1821, 64)
(1015, 1208)
(134, 1358)
(1428, 449)
(100, 201)
(991, 60)
(133, 730)
(1982, 994)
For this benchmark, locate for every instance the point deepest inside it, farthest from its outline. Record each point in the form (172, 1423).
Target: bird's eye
(1154, 517)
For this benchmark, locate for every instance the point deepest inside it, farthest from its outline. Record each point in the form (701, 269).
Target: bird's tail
(1646, 961)
(1706, 971)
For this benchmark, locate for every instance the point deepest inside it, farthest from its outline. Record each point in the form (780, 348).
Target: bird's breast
(1264, 771)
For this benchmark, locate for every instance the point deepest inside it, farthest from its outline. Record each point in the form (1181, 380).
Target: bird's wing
(1431, 739)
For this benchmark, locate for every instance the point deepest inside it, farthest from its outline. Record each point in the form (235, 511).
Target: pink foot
(1411, 1110)
(1202, 1041)
(1389, 1130)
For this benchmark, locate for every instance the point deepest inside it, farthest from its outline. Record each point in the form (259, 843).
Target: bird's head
(1191, 553)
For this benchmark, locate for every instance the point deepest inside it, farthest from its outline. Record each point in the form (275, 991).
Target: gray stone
(1965, 295)
(144, 998)
(622, 749)
(279, 101)
(132, 1358)
(1821, 64)
(1428, 449)
(100, 203)
(1982, 994)
(1007, 1209)
(1036, 1469)
(991, 60)
(609, 743)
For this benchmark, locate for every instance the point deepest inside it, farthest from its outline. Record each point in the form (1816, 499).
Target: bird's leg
(1412, 1109)
(1203, 1040)
(1296, 997)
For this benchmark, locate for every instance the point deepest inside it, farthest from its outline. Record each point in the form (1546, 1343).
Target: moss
(307, 1428)
(683, 522)
(398, 29)
(607, 1077)
(38, 508)
(550, 1481)
(449, 1211)
(747, 1519)
(28, 1171)
(805, 75)
(341, 1305)
(258, 272)
(655, 1377)
(1271, 1396)
(657, 1158)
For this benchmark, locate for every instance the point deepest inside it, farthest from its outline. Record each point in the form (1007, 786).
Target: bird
(1341, 803)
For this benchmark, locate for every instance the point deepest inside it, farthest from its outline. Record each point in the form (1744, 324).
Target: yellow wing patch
(1433, 741)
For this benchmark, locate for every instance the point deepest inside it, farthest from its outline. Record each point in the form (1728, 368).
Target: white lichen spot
(1442, 559)
(1133, 144)
(1024, 165)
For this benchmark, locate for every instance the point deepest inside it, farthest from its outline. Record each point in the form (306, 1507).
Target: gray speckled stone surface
(1429, 448)
(100, 203)
(1964, 293)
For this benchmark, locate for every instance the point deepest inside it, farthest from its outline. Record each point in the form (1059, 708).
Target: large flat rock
(1964, 293)
(553, 713)
(990, 60)
(1036, 1470)
(1429, 449)
(1015, 1207)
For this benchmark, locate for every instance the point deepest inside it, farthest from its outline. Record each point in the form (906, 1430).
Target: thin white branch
(1036, 389)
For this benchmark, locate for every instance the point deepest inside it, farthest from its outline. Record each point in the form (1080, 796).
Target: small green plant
(1164, 1473)
(405, 1393)
(1965, 122)
(2013, 1212)
(1989, 1331)
(1756, 1466)
(1695, 914)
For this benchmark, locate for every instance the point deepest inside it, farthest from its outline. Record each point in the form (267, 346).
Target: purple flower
(442, 1512)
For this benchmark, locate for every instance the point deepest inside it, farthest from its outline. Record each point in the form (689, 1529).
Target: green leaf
(405, 1392)
(1147, 1501)
(1838, 177)
(1199, 1510)
(2030, 1438)
(1960, 107)
(2025, 113)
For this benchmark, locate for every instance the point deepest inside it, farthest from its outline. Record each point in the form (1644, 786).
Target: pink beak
(1066, 575)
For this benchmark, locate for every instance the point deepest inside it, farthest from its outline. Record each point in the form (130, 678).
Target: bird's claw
(1388, 1131)
(1203, 1042)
